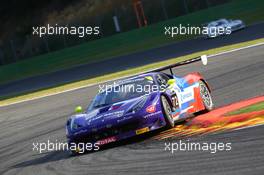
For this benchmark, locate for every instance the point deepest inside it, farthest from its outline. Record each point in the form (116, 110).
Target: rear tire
(206, 97)
(167, 109)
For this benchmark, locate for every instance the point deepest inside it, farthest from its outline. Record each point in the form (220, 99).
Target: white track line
(89, 85)
(234, 50)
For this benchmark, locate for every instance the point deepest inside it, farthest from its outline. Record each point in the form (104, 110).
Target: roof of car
(146, 74)
(152, 74)
(133, 78)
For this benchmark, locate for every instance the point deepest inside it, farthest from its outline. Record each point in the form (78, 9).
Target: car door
(181, 93)
(185, 94)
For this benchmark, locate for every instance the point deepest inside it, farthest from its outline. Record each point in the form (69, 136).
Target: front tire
(166, 108)
(206, 96)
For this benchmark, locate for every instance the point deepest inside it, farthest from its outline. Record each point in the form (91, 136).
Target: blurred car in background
(223, 27)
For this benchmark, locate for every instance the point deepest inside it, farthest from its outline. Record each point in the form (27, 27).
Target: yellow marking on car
(149, 78)
(142, 130)
(77, 150)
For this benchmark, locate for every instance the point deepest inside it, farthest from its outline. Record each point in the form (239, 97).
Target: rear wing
(203, 58)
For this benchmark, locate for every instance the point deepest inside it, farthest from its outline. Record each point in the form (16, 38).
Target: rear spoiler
(203, 58)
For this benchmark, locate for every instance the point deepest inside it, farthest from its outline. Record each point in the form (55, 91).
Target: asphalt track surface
(130, 61)
(233, 77)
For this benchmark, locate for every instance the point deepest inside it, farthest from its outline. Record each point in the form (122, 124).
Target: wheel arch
(196, 77)
(167, 97)
(206, 83)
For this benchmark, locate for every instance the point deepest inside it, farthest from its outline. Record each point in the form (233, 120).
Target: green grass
(252, 108)
(250, 11)
(53, 90)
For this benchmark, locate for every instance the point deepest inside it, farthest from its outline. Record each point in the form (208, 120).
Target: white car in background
(223, 27)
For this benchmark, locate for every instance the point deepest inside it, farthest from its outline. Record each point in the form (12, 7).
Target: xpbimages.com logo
(213, 31)
(80, 31)
(135, 88)
(49, 146)
(185, 146)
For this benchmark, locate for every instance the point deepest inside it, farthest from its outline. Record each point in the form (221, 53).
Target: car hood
(109, 114)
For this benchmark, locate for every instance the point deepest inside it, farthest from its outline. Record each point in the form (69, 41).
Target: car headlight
(75, 125)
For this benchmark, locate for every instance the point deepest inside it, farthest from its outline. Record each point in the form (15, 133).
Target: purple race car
(138, 105)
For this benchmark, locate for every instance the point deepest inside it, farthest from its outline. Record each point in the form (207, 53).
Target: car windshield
(220, 23)
(217, 23)
(130, 89)
(213, 24)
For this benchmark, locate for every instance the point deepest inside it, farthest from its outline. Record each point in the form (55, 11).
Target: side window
(162, 79)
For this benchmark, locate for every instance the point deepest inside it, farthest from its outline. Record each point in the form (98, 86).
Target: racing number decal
(183, 95)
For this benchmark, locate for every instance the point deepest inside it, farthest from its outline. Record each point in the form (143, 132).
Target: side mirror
(171, 82)
(78, 109)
